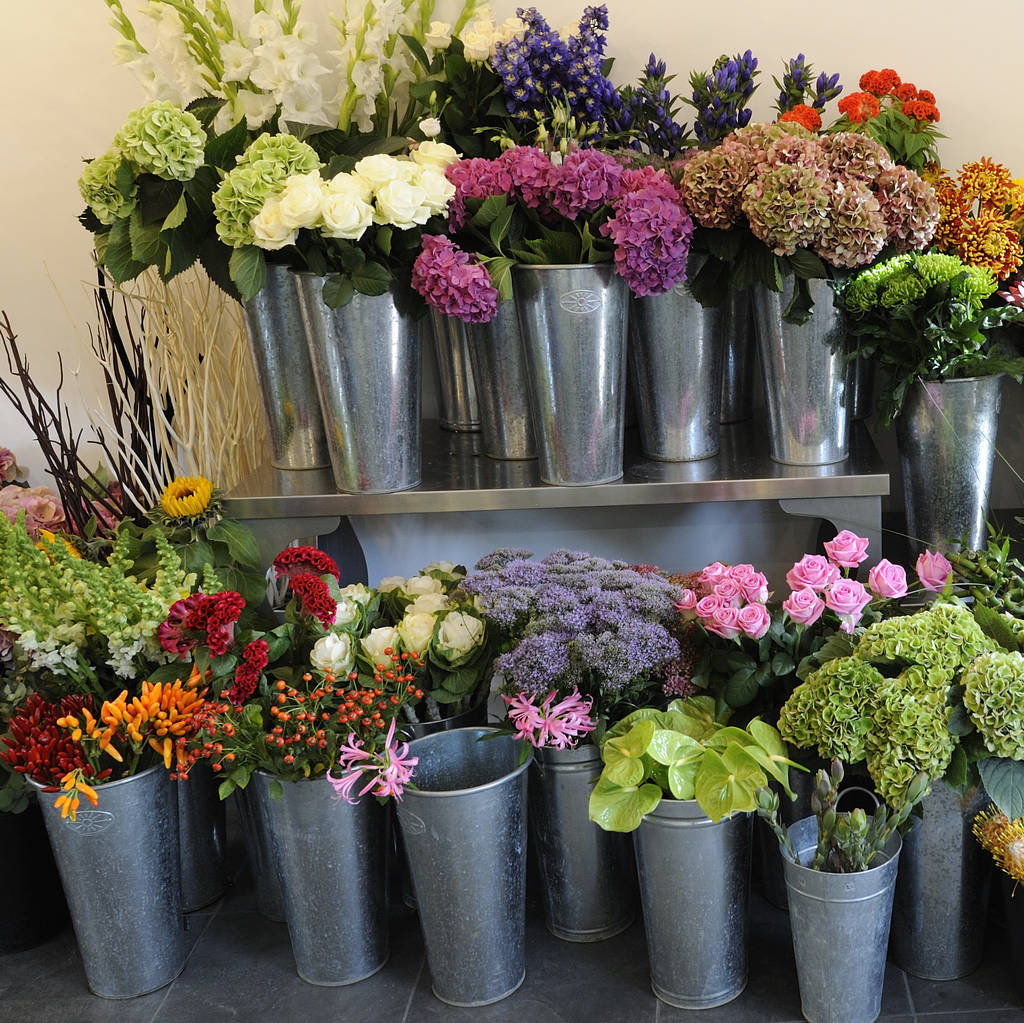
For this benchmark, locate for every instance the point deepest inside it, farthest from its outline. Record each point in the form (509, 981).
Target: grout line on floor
(415, 986)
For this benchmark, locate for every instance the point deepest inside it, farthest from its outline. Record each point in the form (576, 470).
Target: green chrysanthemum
(98, 187)
(162, 139)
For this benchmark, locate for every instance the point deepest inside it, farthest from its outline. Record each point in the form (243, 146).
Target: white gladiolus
(264, 26)
(416, 631)
(269, 229)
(333, 653)
(238, 61)
(301, 201)
(380, 639)
(256, 107)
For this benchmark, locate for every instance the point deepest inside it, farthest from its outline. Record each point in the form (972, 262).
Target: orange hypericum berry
(215, 766)
(281, 685)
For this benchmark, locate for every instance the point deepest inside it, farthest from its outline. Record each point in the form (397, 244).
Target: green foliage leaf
(623, 755)
(124, 179)
(621, 808)
(499, 226)
(117, 257)
(197, 554)
(723, 245)
(383, 239)
(239, 539)
(215, 257)
(500, 270)
(957, 772)
(159, 198)
(741, 688)
(145, 239)
(1004, 782)
(807, 264)
(667, 747)
(995, 626)
(416, 48)
(248, 270)
(371, 279)
(488, 212)
(177, 216)
(221, 150)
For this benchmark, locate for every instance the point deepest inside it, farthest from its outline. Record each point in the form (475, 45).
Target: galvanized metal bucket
(260, 849)
(840, 925)
(942, 892)
(119, 866)
(946, 434)
(573, 321)
(202, 831)
(806, 377)
(588, 874)
(863, 374)
(770, 857)
(739, 357)
(464, 828)
(277, 340)
(366, 360)
(499, 371)
(332, 858)
(460, 406)
(675, 357)
(694, 889)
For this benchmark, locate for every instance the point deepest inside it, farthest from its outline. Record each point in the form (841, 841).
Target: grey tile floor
(240, 968)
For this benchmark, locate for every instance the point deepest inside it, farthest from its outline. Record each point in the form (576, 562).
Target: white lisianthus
(429, 603)
(438, 189)
(415, 631)
(477, 45)
(238, 61)
(351, 184)
(401, 204)
(358, 592)
(430, 126)
(420, 584)
(391, 582)
(385, 637)
(345, 215)
(378, 169)
(301, 200)
(435, 154)
(269, 229)
(459, 636)
(333, 653)
(439, 35)
(346, 611)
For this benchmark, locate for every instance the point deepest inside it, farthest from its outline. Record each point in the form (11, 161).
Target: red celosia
(920, 110)
(880, 83)
(314, 597)
(202, 616)
(223, 610)
(805, 115)
(292, 561)
(247, 674)
(859, 107)
(905, 91)
(925, 96)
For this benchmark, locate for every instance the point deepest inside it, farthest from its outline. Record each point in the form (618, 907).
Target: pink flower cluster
(729, 600)
(558, 725)
(41, 506)
(10, 471)
(208, 617)
(384, 773)
(453, 282)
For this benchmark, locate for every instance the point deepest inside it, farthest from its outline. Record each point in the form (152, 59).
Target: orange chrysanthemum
(988, 182)
(859, 107)
(988, 240)
(805, 115)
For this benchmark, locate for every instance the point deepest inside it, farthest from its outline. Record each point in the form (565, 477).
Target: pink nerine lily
(385, 773)
(558, 725)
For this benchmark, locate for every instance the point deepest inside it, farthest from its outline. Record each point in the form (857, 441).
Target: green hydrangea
(162, 139)
(786, 207)
(260, 173)
(830, 710)
(98, 187)
(993, 686)
(942, 636)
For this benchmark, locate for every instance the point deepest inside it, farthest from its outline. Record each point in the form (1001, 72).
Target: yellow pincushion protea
(1003, 838)
(187, 497)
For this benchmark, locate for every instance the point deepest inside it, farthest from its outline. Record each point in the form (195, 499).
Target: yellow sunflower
(187, 497)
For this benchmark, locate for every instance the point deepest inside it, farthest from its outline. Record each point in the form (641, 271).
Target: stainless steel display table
(280, 506)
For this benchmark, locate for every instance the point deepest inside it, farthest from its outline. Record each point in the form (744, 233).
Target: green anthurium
(727, 783)
(701, 712)
(720, 739)
(623, 726)
(622, 808)
(623, 755)
(668, 746)
(682, 775)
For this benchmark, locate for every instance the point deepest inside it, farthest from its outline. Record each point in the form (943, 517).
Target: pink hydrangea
(854, 232)
(451, 281)
(530, 171)
(909, 206)
(853, 155)
(635, 178)
(587, 180)
(476, 178)
(713, 184)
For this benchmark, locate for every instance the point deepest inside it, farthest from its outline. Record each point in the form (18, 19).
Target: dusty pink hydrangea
(10, 471)
(796, 151)
(854, 231)
(786, 207)
(635, 178)
(909, 207)
(587, 180)
(713, 184)
(752, 143)
(41, 506)
(475, 178)
(451, 281)
(853, 155)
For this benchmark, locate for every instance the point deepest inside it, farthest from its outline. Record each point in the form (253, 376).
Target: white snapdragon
(334, 653)
(300, 202)
(268, 228)
(415, 631)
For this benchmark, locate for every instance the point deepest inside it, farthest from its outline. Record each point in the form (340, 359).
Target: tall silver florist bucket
(806, 376)
(277, 340)
(464, 828)
(499, 372)
(366, 359)
(202, 827)
(675, 357)
(259, 847)
(942, 892)
(589, 880)
(574, 324)
(739, 356)
(460, 407)
(946, 434)
(119, 866)
(332, 858)
(840, 925)
(694, 889)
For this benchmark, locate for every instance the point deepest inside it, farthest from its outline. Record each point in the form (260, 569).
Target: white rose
(346, 611)
(459, 635)
(351, 184)
(477, 45)
(379, 169)
(301, 200)
(429, 603)
(380, 639)
(401, 204)
(420, 584)
(361, 594)
(269, 230)
(438, 189)
(391, 582)
(439, 35)
(437, 155)
(415, 631)
(345, 216)
(333, 653)
(430, 126)
(509, 29)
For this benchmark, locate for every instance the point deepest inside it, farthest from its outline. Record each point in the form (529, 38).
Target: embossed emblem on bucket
(580, 301)
(411, 823)
(90, 822)
(680, 289)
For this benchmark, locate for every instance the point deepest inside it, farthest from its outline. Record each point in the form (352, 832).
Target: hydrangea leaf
(1004, 782)
(621, 808)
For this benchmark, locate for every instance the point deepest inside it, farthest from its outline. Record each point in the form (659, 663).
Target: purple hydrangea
(453, 282)
(587, 180)
(476, 178)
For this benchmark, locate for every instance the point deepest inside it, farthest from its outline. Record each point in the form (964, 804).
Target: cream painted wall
(64, 100)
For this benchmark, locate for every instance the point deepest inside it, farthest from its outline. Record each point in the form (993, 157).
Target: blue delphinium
(647, 116)
(795, 86)
(574, 619)
(720, 96)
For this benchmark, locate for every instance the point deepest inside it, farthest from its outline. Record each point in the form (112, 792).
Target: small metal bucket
(460, 406)
(675, 357)
(366, 359)
(588, 875)
(694, 889)
(202, 826)
(573, 321)
(942, 892)
(277, 340)
(332, 858)
(840, 925)
(119, 866)
(464, 828)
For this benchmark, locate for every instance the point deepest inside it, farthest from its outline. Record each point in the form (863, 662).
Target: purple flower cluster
(476, 178)
(720, 97)
(587, 180)
(648, 112)
(795, 87)
(453, 282)
(541, 71)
